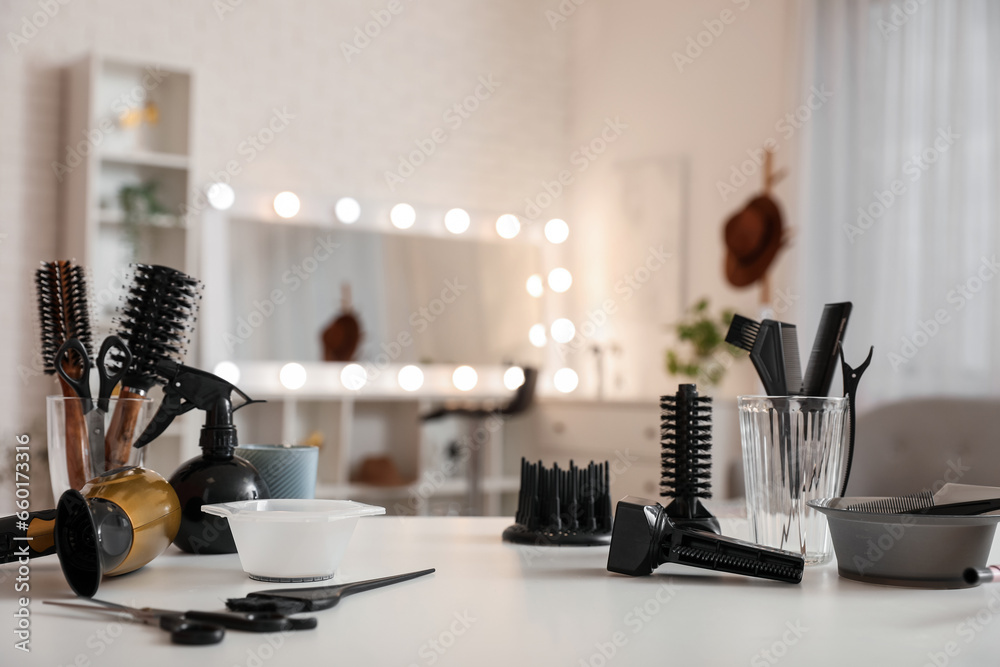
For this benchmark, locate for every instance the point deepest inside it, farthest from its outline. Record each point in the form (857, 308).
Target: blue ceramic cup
(290, 471)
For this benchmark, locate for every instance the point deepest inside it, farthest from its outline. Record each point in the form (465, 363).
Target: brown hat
(753, 238)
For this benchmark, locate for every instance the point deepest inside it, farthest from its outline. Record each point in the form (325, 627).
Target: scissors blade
(136, 614)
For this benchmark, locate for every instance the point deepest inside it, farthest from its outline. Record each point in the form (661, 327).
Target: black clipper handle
(39, 527)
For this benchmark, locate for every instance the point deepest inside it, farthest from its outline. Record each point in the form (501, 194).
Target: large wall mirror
(458, 300)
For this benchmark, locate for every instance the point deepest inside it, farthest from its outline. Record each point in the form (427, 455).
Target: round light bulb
(457, 220)
(536, 334)
(513, 378)
(402, 216)
(347, 210)
(228, 371)
(556, 230)
(287, 204)
(535, 286)
(508, 226)
(292, 376)
(562, 330)
(410, 378)
(565, 380)
(560, 280)
(464, 378)
(221, 197)
(353, 377)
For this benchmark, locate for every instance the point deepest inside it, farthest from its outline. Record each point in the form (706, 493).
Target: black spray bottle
(217, 476)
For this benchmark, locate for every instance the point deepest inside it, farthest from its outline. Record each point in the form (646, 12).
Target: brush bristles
(62, 290)
(743, 332)
(559, 501)
(156, 320)
(686, 441)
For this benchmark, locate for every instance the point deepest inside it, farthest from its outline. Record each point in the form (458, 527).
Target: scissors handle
(262, 622)
(191, 633)
(110, 371)
(63, 363)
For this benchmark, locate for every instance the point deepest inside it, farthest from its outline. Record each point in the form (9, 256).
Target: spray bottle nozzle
(187, 388)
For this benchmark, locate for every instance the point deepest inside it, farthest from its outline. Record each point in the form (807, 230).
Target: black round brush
(62, 290)
(155, 322)
(686, 460)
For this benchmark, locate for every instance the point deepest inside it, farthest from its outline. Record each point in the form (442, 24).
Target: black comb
(562, 507)
(823, 358)
(791, 362)
(685, 457)
(62, 290)
(645, 538)
(894, 504)
(156, 321)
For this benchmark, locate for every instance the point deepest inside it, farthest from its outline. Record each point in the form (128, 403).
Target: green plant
(139, 204)
(702, 354)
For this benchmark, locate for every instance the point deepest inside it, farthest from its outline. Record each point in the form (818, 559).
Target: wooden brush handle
(119, 437)
(77, 439)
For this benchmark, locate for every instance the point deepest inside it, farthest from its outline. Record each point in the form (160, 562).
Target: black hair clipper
(644, 538)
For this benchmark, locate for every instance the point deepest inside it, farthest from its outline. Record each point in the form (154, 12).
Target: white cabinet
(382, 419)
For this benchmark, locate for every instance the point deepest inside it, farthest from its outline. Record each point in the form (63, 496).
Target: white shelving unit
(127, 123)
(379, 418)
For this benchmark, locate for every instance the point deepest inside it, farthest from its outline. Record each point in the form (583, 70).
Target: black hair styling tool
(297, 600)
(852, 378)
(156, 320)
(562, 507)
(62, 290)
(766, 341)
(894, 504)
(823, 358)
(645, 537)
(685, 458)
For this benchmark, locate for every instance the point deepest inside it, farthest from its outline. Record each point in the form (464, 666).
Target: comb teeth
(743, 332)
(735, 564)
(554, 501)
(896, 504)
(686, 438)
(63, 308)
(792, 360)
(156, 320)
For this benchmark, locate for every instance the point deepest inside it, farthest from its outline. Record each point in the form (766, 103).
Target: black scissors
(112, 362)
(199, 627)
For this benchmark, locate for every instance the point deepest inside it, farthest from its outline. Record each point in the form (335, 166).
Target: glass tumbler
(794, 450)
(76, 450)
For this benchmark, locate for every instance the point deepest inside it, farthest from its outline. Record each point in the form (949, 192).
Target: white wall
(352, 120)
(704, 117)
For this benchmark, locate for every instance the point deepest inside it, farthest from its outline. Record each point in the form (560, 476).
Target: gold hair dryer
(115, 524)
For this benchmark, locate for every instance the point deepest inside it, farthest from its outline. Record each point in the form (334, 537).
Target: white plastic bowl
(292, 540)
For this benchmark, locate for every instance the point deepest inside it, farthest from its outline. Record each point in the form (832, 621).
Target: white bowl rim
(292, 510)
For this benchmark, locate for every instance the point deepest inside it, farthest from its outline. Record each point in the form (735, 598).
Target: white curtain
(900, 205)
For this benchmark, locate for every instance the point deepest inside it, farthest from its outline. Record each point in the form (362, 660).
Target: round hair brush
(155, 321)
(62, 290)
(686, 460)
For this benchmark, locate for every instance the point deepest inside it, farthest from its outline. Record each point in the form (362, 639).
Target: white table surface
(491, 603)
